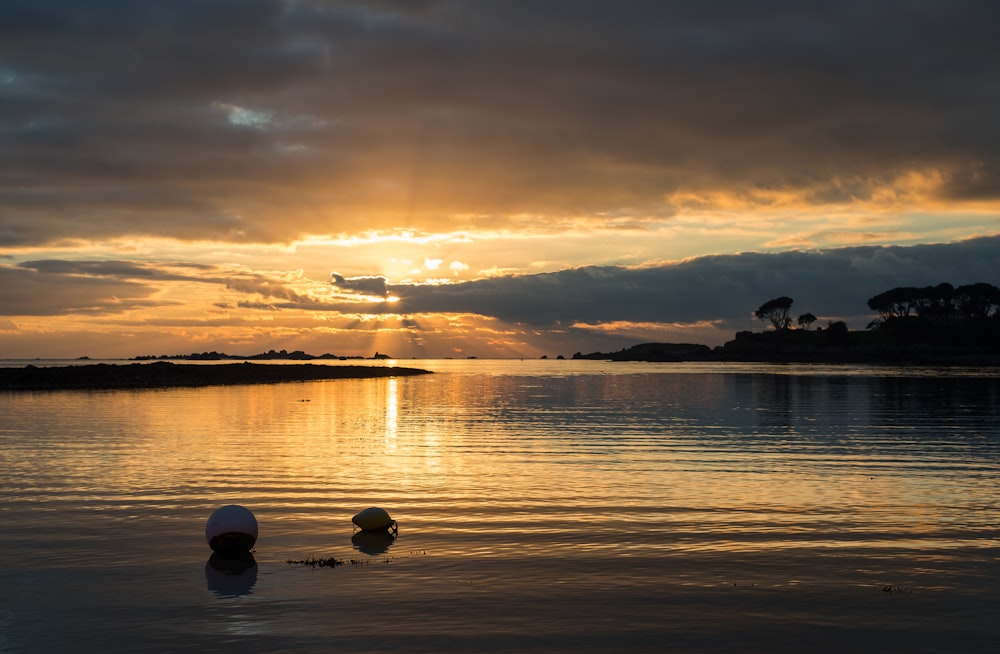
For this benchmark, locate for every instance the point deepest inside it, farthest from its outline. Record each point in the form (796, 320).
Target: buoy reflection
(373, 542)
(229, 576)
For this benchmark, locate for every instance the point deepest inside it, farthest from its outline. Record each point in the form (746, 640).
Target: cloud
(723, 289)
(374, 285)
(265, 288)
(67, 287)
(265, 120)
(26, 292)
(119, 269)
(719, 290)
(701, 299)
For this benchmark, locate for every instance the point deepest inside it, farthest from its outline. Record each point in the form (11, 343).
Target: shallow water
(543, 505)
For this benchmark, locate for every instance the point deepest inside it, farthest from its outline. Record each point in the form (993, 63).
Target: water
(543, 506)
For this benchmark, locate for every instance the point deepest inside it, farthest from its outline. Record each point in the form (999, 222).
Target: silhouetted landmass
(270, 355)
(932, 325)
(843, 346)
(162, 374)
(821, 346)
(654, 352)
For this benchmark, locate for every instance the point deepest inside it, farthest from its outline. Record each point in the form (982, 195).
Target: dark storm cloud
(833, 283)
(199, 118)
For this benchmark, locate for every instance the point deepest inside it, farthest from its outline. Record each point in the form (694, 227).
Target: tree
(939, 307)
(895, 303)
(776, 312)
(936, 304)
(806, 319)
(977, 301)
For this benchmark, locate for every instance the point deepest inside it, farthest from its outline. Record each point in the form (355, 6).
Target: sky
(482, 178)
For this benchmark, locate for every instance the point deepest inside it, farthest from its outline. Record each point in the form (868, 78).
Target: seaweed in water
(313, 562)
(333, 562)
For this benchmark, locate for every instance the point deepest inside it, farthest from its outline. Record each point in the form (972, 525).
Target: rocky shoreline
(163, 374)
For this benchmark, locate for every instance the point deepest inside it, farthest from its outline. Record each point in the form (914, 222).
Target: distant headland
(817, 346)
(932, 325)
(163, 374)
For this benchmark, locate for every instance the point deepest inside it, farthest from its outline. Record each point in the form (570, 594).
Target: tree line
(939, 306)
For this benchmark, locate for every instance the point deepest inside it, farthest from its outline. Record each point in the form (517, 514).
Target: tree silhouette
(941, 304)
(977, 301)
(894, 303)
(776, 312)
(806, 319)
(936, 303)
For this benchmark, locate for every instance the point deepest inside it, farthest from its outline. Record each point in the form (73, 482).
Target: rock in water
(231, 530)
(374, 519)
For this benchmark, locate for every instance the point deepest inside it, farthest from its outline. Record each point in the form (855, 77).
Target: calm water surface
(552, 506)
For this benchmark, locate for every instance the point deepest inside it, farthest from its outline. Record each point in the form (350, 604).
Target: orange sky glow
(434, 180)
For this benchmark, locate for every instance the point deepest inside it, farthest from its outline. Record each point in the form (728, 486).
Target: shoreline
(799, 346)
(163, 374)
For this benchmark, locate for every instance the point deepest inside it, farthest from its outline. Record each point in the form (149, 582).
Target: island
(164, 374)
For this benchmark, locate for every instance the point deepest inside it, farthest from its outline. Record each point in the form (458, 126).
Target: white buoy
(374, 519)
(231, 530)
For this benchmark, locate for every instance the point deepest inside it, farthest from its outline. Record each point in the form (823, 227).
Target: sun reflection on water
(391, 415)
